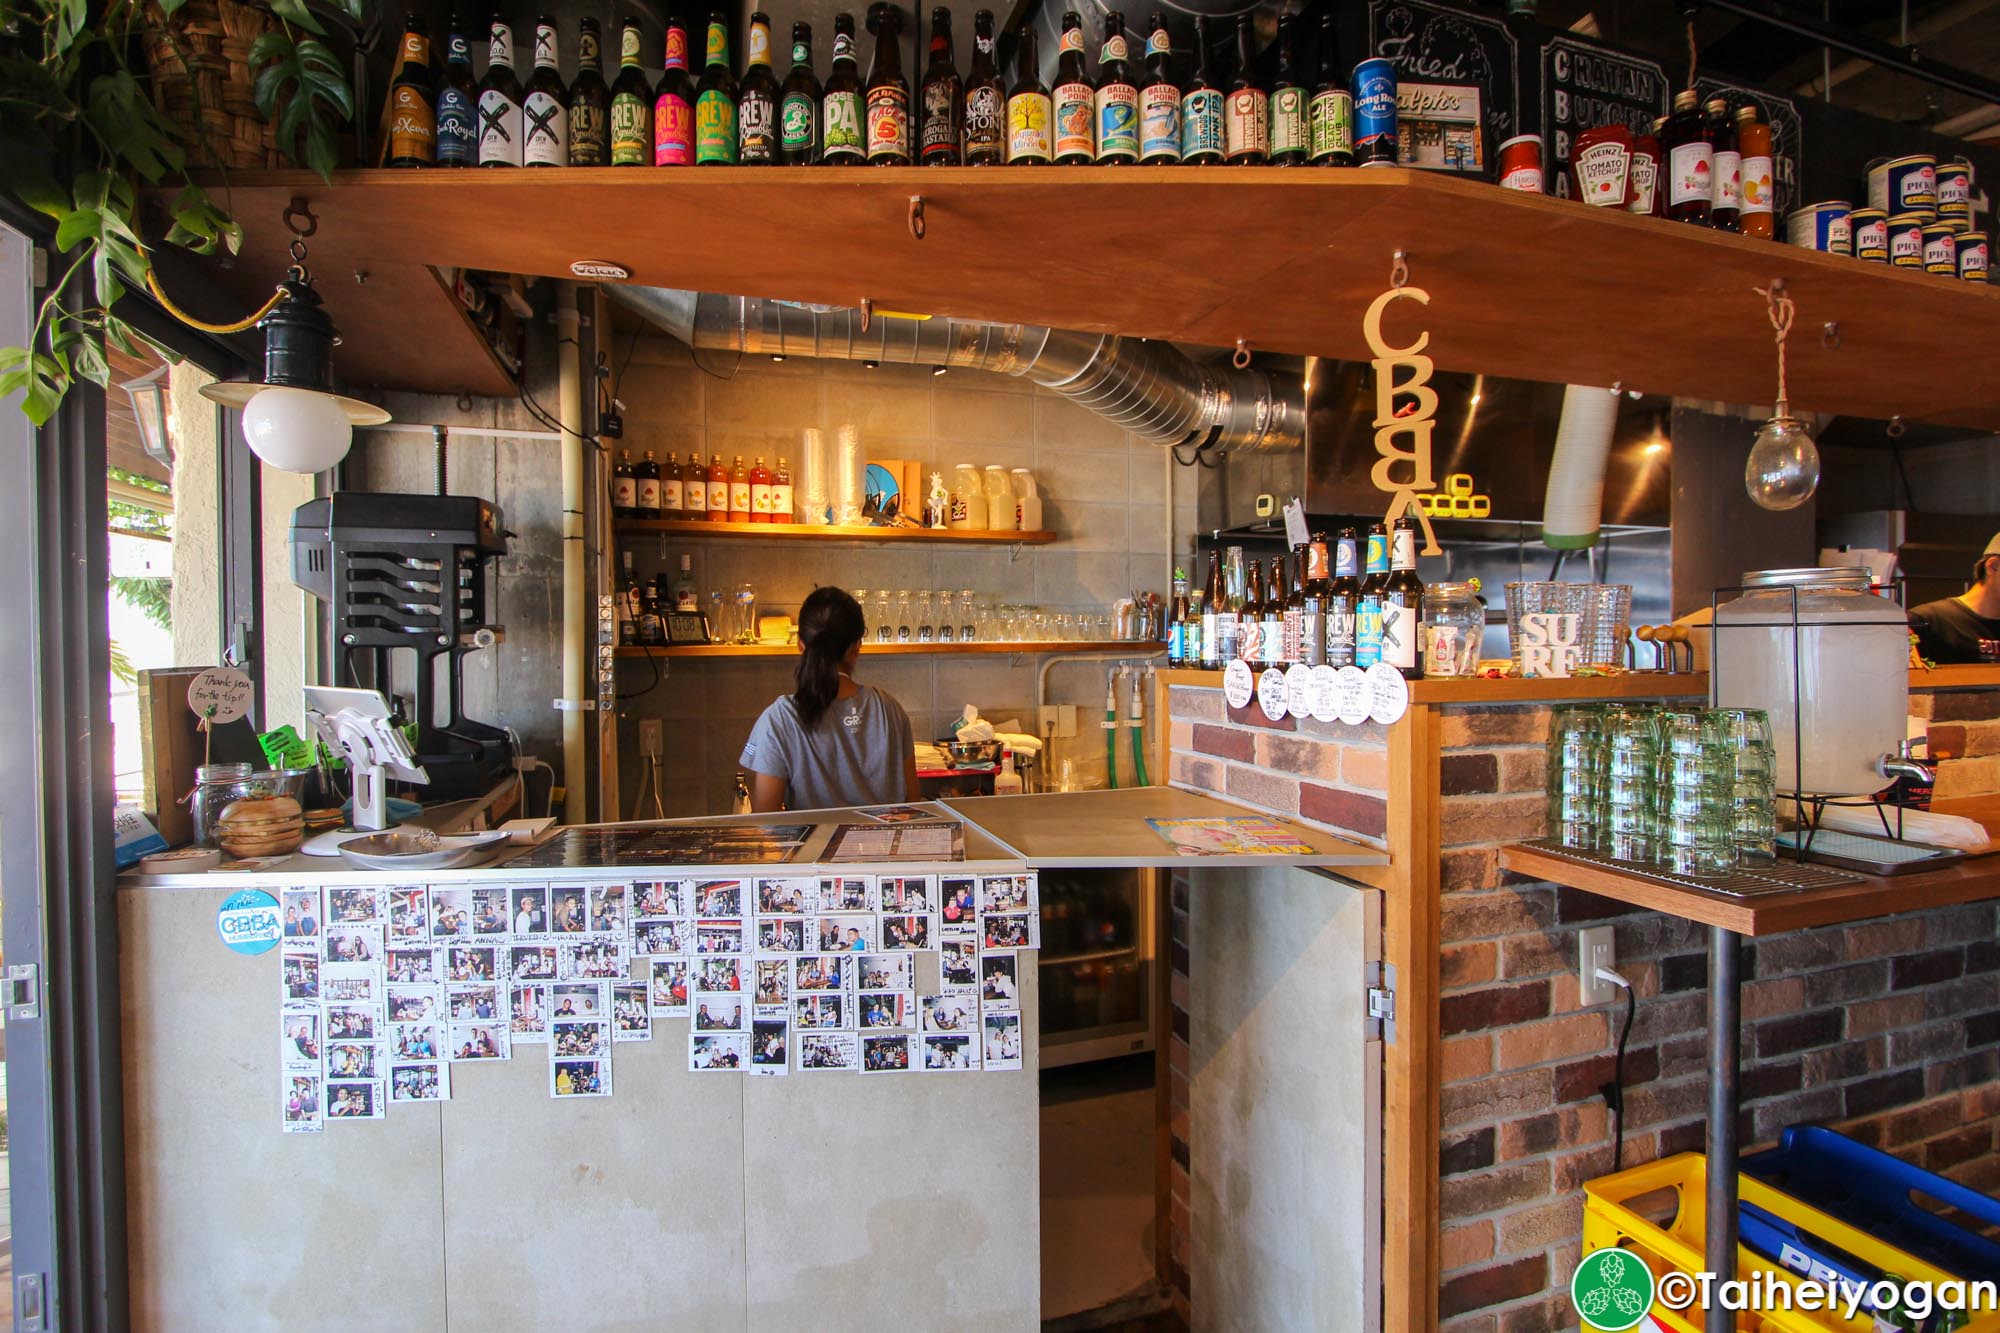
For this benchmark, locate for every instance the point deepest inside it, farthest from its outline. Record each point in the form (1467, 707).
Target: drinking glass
(1753, 779)
(905, 632)
(867, 614)
(1575, 775)
(926, 624)
(1697, 830)
(972, 628)
(1561, 627)
(1061, 628)
(885, 623)
(947, 617)
(1607, 622)
(745, 612)
(1631, 779)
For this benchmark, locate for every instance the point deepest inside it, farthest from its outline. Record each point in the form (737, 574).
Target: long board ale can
(1375, 113)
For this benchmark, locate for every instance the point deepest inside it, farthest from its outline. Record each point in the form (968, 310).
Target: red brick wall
(1330, 774)
(1965, 739)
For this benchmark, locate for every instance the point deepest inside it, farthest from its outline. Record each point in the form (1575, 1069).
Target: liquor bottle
(545, 110)
(1368, 608)
(715, 102)
(943, 128)
(1211, 614)
(1312, 614)
(652, 629)
(798, 104)
(985, 99)
(1343, 602)
(1273, 607)
(1235, 600)
(647, 475)
(628, 607)
(1288, 103)
(673, 497)
(840, 107)
(673, 104)
(1177, 621)
(739, 492)
(694, 488)
(1330, 115)
(1246, 124)
(1293, 626)
(1201, 108)
(1029, 108)
(1191, 649)
(886, 103)
(757, 100)
(1159, 100)
(624, 488)
(1753, 141)
(1074, 99)
(1117, 98)
(1403, 604)
(499, 102)
(781, 493)
(457, 110)
(718, 490)
(631, 103)
(1725, 166)
(412, 105)
(1250, 618)
(1690, 165)
(760, 492)
(687, 597)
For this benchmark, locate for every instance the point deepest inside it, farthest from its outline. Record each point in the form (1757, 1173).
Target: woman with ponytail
(830, 742)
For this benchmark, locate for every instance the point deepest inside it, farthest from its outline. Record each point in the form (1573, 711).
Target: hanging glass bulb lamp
(1782, 471)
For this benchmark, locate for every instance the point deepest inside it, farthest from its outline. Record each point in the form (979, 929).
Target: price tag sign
(1271, 694)
(1237, 684)
(220, 694)
(1350, 689)
(1388, 693)
(1325, 693)
(1299, 689)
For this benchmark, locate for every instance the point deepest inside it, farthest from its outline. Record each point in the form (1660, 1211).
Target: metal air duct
(1148, 388)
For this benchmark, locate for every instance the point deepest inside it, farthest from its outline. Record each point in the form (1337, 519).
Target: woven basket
(199, 60)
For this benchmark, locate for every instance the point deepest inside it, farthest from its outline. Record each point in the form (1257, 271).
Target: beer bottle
(1177, 615)
(1318, 588)
(1159, 100)
(943, 99)
(1117, 98)
(673, 502)
(545, 110)
(739, 492)
(840, 107)
(1029, 108)
(499, 101)
(1295, 608)
(1211, 614)
(718, 490)
(1726, 166)
(1403, 604)
(757, 100)
(1330, 116)
(1368, 609)
(647, 477)
(1689, 164)
(673, 104)
(1235, 600)
(1074, 99)
(798, 105)
(887, 103)
(1191, 632)
(985, 99)
(1288, 103)
(412, 107)
(1246, 126)
(589, 101)
(1201, 108)
(457, 103)
(1274, 614)
(624, 488)
(715, 104)
(1343, 602)
(629, 599)
(1250, 617)
(631, 103)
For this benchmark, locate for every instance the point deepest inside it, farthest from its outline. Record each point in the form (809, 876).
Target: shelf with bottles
(1136, 647)
(699, 528)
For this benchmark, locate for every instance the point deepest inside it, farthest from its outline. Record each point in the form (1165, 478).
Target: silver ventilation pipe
(1148, 388)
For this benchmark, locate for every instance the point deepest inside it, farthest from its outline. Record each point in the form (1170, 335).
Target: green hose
(1139, 753)
(1111, 747)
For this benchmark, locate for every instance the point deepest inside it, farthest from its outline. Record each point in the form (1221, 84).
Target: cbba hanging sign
(1402, 436)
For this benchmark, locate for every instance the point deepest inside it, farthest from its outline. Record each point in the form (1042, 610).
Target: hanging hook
(299, 208)
(1896, 427)
(1242, 358)
(867, 313)
(1829, 335)
(917, 226)
(1399, 269)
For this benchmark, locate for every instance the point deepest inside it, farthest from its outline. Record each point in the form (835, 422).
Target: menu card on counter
(1240, 835)
(938, 840)
(677, 845)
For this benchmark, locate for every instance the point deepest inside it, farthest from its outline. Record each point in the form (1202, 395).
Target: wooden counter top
(1958, 677)
(1477, 690)
(1109, 828)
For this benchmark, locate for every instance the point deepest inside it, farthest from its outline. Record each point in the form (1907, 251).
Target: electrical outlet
(1594, 949)
(1060, 716)
(652, 737)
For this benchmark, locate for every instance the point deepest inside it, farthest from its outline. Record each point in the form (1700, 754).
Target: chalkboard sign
(1787, 136)
(1584, 86)
(1431, 43)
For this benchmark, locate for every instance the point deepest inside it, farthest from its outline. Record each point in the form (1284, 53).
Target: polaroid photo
(1008, 930)
(884, 1009)
(886, 1054)
(718, 898)
(477, 1002)
(951, 1012)
(353, 905)
(414, 1004)
(914, 932)
(667, 988)
(298, 1040)
(580, 1078)
(410, 913)
(1000, 981)
(718, 937)
(786, 897)
(958, 964)
(527, 1013)
(579, 1038)
(350, 983)
(821, 972)
(578, 999)
(901, 896)
(354, 1101)
(415, 1041)
(302, 1103)
(481, 1039)
(472, 962)
(896, 814)
(820, 1051)
(631, 1020)
(354, 944)
(569, 913)
(607, 904)
(958, 905)
(301, 912)
(846, 893)
(593, 958)
(351, 1022)
(489, 912)
(721, 1050)
(451, 914)
(1002, 1048)
(770, 1047)
(353, 1059)
(781, 934)
(718, 976)
(951, 1053)
(719, 1013)
(299, 974)
(819, 1013)
(1003, 893)
(772, 982)
(660, 937)
(414, 966)
(430, 1082)
(528, 909)
(885, 971)
(660, 897)
(847, 932)
(531, 962)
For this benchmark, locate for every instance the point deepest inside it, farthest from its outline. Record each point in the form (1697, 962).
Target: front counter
(711, 1199)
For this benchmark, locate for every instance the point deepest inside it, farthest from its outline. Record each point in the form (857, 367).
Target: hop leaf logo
(1612, 1290)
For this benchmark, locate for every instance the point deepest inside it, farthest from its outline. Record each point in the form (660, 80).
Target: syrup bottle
(718, 490)
(760, 492)
(739, 492)
(781, 493)
(1690, 162)
(694, 488)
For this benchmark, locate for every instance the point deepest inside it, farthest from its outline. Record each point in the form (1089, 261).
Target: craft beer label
(714, 128)
(589, 136)
(984, 112)
(1690, 173)
(1201, 122)
(1160, 121)
(888, 122)
(940, 133)
(760, 45)
(1247, 125)
(499, 129)
(547, 144)
(1117, 116)
(1368, 632)
(843, 124)
(1288, 120)
(673, 132)
(412, 124)
(1330, 124)
(1075, 107)
(457, 113)
(756, 129)
(628, 130)
(795, 123)
(1113, 49)
(1028, 116)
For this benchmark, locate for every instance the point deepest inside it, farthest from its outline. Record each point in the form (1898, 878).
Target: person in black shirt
(1965, 628)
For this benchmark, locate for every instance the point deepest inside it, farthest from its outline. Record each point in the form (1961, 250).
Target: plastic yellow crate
(1677, 1244)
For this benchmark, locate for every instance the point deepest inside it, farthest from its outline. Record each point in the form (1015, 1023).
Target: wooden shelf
(1520, 285)
(800, 532)
(1136, 649)
(1587, 689)
(1966, 676)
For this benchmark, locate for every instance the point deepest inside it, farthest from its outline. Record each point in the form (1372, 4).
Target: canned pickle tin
(1375, 113)
(1904, 185)
(1972, 256)
(1870, 229)
(1906, 240)
(1822, 226)
(1954, 192)
(1941, 249)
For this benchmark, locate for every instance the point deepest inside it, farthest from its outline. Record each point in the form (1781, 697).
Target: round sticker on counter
(248, 921)
(1299, 689)
(1388, 693)
(1325, 693)
(1271, 693)
(1237, 685)
(1350, 695)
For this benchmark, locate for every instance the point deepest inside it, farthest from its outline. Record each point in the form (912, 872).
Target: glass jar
(1453, 628)
(215, 786)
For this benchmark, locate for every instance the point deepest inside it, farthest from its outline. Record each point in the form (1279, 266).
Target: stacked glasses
(1754, 780)
(1697, 827)
(1576, 775)
(1633, 776)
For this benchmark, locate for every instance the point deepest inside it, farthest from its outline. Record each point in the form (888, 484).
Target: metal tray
(1870, 854)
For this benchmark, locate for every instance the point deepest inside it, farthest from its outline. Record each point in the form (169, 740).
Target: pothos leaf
(90, 361)
(40, 380)
(295, 11)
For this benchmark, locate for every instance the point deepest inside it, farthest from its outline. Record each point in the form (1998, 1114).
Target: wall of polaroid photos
(384, 989)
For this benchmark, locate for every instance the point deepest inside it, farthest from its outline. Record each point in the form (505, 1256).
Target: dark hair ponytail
(830, 623)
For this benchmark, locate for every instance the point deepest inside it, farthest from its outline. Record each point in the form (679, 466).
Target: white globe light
(1782, 471)
(296, 430)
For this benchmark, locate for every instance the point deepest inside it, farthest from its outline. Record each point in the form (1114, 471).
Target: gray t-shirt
(858, 754)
